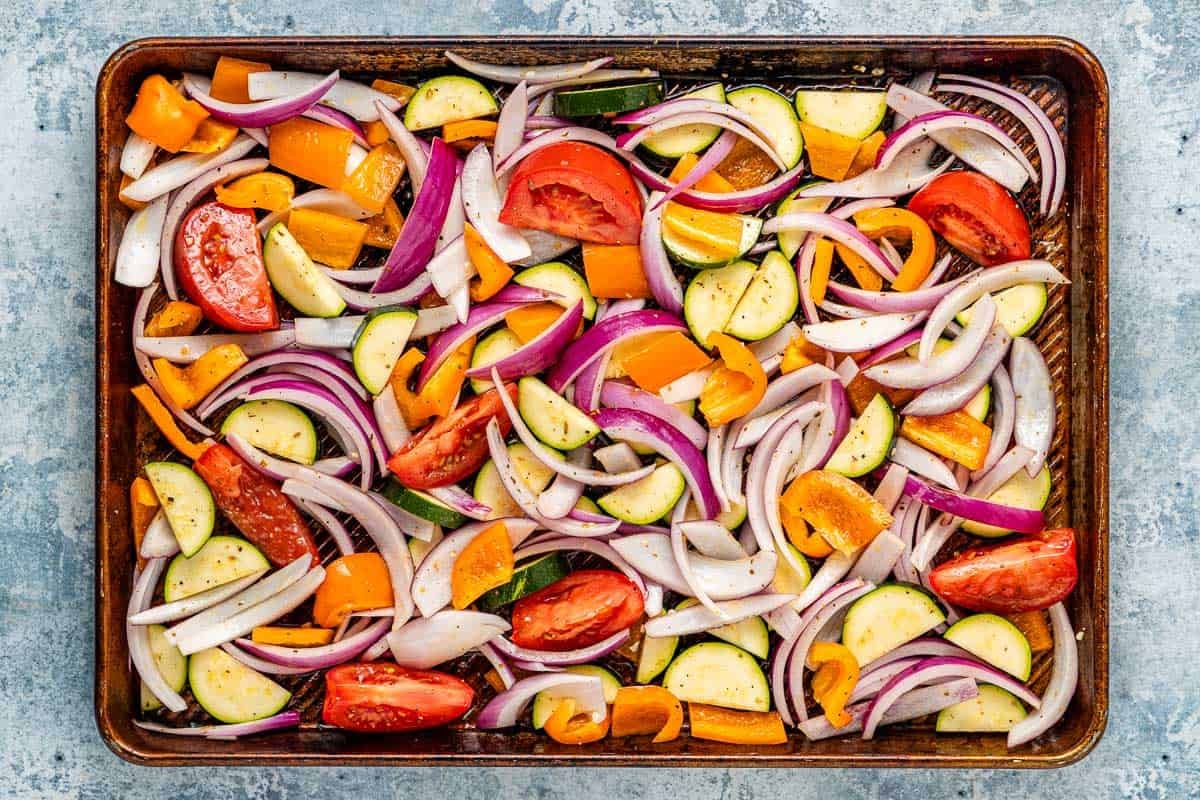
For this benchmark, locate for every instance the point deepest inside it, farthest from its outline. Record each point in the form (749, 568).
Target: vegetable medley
(672, 408)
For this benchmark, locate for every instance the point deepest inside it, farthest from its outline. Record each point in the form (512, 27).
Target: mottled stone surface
(50, 51)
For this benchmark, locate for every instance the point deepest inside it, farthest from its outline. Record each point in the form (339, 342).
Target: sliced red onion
(847, 370)
(561, 496)
(138, 638)
(181, 170)
(687, 387)
(286, 719)
(712, 539)
(499, 664)
(638, 427)
(539, 74)
(348, 96)
(916, 300)
(1033, 423)
(714, 449)
(243, 622)
(679, 551)
(665, 287)
(560, 658)
(138, 253)
(431, 585)
(909, 171)
(698, 619)
(266, 667)
(605, 335)
(461, 502)
(1004, 407)
(289, 359)
(912, 373)
(923, 647)
(505, 709)
(836, 229)
(1064, 677)
(415, 244)
(936, 668)
(890, 488)
(843, 311)
(159, 540)
(429, 641)
(752, 432)
(596, 76)
(136, 155)
(834, 568)
(391, 422)
(449, 271)
(347, 395)
(510, 125)
(776, 343)
(877, 558)
(977, 148)
(328, 200)
(339, 119)
(266, 112)
(651, 555)
(831, 428)
(712, 157)
(186, 349)
(482, 201)
(323, 656)
(137, 328)
(332, 525)
(630, 140)
(479, 319)
(916, 703)
(812, 622)
(329, 333)
(768, 468)
(617, 457)
(904, 520)
(922, 462)
(539, 352)
(615, 394)
(1030, 114)
(870, 682)
(596, 548)
(730, 202)
(412, 149)
(690, 105)
(957, 392)
(854, 335)
(363, 301)
(927, 124)
(388, 539)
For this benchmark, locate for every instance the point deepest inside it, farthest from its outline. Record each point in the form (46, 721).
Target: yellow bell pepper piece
(143, 505)
(493, 273)
(830, 154)
(735, 387)
(270, 191)
(717, 235)
(835, 678)
(712, 182)
(903, 225)
(485, 563)
(864, 275)
(177, 318)
(864, 159)
(327, 238)
(187, 386)
(383, 229)
(662, 359)
(439, 394)
(357, 582)
(212, 136)
(736, 727)
(565, 727)
(291, 637)
(373, 181)
(163, 115)
(822, 265)
(641, 710)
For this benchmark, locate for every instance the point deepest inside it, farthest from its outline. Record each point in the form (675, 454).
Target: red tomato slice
(976, 215)
(1025, 574)
(256, 506)
(381, 697)
(218, 258)
(449, 449)
(575, 190)
(579, 610)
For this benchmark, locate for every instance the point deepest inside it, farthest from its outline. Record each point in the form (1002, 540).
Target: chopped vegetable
(736, 727)
(384, 228)
(311, 150)
(327, 238)
(844, 513)
(642, 710)
(901, 224)
(165, 422)
(211, 136)
(712, 182)
(229, 79)
(663, 358)
(484, 564)
(615, 271)
(736, 386)
(830, 154)
(835, 678)
(492, 273)
(177, 318)
(566, 727)
(266, 190)
(163, 115)
(191, 384)
(375, 179)
(957, 436)
(355, 582)
(291, 637)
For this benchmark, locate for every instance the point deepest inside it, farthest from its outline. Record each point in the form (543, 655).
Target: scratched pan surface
(1059, 74)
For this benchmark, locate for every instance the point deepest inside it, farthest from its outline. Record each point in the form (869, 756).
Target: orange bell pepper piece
(835, 678)
(735, 387)
(132, 205)
(485, 563)
(639, 710)
(844, 513)
(746, 166)
(615, 271)
(565, 727)
(176, 318)
(439, 395)
(862, 390)
(162, 418)
(822, 265)
(493, 273)
(716, 234)
(269, 191)
(712, 182)
(830, 154)
(661, 359)
(310, 150)
(400, 91)
(800, 353)
(327, 238)
(357, 582)
(212, 136)
(957, 436)
(411, 407)
(373, 181)
(229, 80)
(1033, 625)
(163, 115)
(902, 224)
(529, 321)
(736, 727)
(864, 275)
(187, 386)
(469, 130)
(291, 637)
(376, 132)
(807, 541)
(143, 505)
(383, 229)
(864, 159)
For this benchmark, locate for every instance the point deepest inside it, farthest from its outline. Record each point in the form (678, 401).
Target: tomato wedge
(576, 190)
(218, 258)
(256, 506)
(976, 215)
(579, 610)
(451, 448)
(1026, 574)
(381, 697)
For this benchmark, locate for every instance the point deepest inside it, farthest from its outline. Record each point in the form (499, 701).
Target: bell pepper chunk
(862, 390)
(492, 273)
(161, 114)
(439, 395)
(373, 181)
(864, 275)
(615, 271)
(528, 322)
(712, 182)
(230, 80)
(864, 159)
(355, 582)
(800, 353)
(187, 386)
(310, 150)
(642, 710)
(176, 318)
(830, 154)
(143, 505)
(401, 91)
(1033, 625)
(269, 191)
(957, 436)
(469, 130)
(211, 136)
(715, 234)
(663, 358)
(565, 727)
(376, 132)
(291, 637)
(383, 229)
(163, 420)
(845, 514)
(807, 541)
(736, 386)
(327, 238)
(485, 563)
(818, 283)
(736, 727)
(835, 678)
(903, 225)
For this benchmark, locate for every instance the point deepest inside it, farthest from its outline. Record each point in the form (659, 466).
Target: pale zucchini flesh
(545, 702)
(680, 141)
(993, 710)
(221, 560)
(719, 674)
(553, 419)
(232, 692)
(275, 426)
(186, 502)
(995, 640)
(647, 499)
(868, 442)
(750, 634)
(768, 303)
(774, 113)
(850, 112)
(492, 348)
(378, 345)
(655, 654)
(562, 279)
(887, 617)
(1021, 491)
(448, 98)
(712, 296)
(172, 666)
(294, 275)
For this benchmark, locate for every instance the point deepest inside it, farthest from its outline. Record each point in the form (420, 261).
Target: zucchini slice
(172, 666)
(232, 692)
(448, 98)
(560, 278)
(868, 441)
(378, 344)
(297, 279)
(774, 114)
(790, 241)
(607, 99)
(527, 579)
(276, 427)
(490, 491)
(222, 559)
(769, 302)
(850, 112)
(648, 499)
(719, 674)
(993, 710)
(883, 619)
(996, 640)
(686, 139)
(1021, 491)
(490, 349)
(688, 254)
(424, 505)
(1018, 308)
(551, 417)
(750, 634)
(712, 296)
(655, 654)
(186, 502)
(545, 702)
(787, 579)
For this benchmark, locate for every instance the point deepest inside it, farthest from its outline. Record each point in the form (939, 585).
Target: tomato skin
(382, 697)
(579, 610)
(218, 258)
(1029, 573)
(449, 449)
(576, 190)
(976, 215)
(256, 506)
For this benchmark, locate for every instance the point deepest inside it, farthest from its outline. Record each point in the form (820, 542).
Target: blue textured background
(50, 52)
